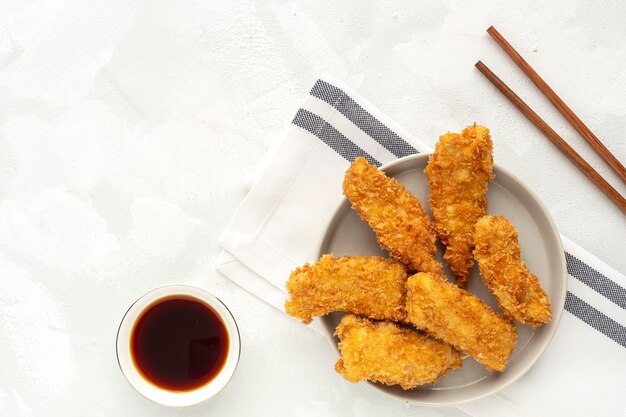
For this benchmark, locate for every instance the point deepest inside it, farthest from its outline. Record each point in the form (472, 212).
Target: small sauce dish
(178, 345)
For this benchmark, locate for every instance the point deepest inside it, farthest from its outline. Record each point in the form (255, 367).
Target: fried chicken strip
(397, 217)
(370, 286)
(457, 317)
(393, 355)
(516, 289)
(458, 173)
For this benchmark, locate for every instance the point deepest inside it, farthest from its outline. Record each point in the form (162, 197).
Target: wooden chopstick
(573, 120)
(567, 150)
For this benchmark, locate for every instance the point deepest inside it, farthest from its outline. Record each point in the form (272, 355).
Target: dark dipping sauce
(179, 343)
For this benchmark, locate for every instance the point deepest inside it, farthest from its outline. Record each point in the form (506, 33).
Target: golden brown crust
(458, 173)
(457, 317)
(393, 355)
(370, 286)
(516, 289)
(397, 217)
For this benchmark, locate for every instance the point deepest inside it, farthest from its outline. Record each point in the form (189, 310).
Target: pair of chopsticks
(573, 120)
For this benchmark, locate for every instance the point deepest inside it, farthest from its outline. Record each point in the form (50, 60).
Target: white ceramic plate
(541, 250)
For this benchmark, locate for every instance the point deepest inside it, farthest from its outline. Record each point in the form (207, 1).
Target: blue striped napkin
(295, 192)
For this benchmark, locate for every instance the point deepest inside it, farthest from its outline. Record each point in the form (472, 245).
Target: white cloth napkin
(280, 223)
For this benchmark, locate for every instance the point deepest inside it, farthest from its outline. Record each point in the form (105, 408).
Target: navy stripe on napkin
(595, 280)
(331, 136)
(362, 119)
(596, 319)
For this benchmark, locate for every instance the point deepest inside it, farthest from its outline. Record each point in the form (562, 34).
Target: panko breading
(387, 353)
(457, 317)
(370, 286)
(397, 217)
(516, 289)
(458, 173)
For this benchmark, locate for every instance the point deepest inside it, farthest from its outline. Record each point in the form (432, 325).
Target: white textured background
(128, 128)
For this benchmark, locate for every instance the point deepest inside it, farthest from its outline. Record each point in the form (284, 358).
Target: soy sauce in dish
(179, 343)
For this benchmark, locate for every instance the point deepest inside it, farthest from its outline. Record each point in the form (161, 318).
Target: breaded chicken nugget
(458, 173)
(370, 286)
(457, 317)
(396, 216)
(516, 289)
(393, 355)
